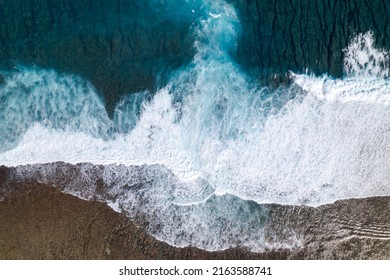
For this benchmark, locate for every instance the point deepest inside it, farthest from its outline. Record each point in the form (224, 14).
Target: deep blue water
(197, 155)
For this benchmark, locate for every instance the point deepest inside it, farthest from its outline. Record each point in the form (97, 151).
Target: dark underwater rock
(122, 46)
(283, 35)
(127, 46)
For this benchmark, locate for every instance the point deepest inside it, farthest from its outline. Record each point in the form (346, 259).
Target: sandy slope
(38, 221)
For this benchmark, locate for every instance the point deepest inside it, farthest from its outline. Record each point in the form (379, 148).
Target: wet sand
(38, 221)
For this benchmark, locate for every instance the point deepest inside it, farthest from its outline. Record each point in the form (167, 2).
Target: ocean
(198, 157)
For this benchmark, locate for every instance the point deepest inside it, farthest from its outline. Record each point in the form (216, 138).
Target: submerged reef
(129, 46)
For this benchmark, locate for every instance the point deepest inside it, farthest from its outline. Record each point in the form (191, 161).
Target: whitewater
(212, 146)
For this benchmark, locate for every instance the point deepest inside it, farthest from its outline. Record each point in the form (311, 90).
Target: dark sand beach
(40, 222)
(207, 119)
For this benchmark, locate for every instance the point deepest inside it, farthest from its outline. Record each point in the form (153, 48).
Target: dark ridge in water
(196, 161)
(305, 34)
(121, 46)
(129, 46)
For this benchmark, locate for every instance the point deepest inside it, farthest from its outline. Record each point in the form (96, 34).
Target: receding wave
(203, 152)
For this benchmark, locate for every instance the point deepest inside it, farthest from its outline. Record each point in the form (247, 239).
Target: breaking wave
(197, 158)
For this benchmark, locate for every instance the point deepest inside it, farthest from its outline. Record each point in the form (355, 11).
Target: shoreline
(39, 221)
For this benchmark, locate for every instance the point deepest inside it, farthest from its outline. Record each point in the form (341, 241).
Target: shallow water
(198, 158)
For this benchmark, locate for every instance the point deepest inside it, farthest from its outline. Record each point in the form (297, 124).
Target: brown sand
(40, 222)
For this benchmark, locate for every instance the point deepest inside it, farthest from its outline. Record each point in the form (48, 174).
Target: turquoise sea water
(198, 156)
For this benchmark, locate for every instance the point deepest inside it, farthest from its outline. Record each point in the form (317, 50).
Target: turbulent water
(196, 159)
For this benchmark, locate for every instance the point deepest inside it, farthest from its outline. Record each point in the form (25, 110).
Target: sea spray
(63, 102)
(199, 155)
(362, 58)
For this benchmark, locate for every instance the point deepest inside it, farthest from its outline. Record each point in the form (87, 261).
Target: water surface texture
(197, 153)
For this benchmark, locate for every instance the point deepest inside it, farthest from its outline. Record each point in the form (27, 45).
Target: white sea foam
(362, 58)
(327, 144)
(62, 102)
(218, 135)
